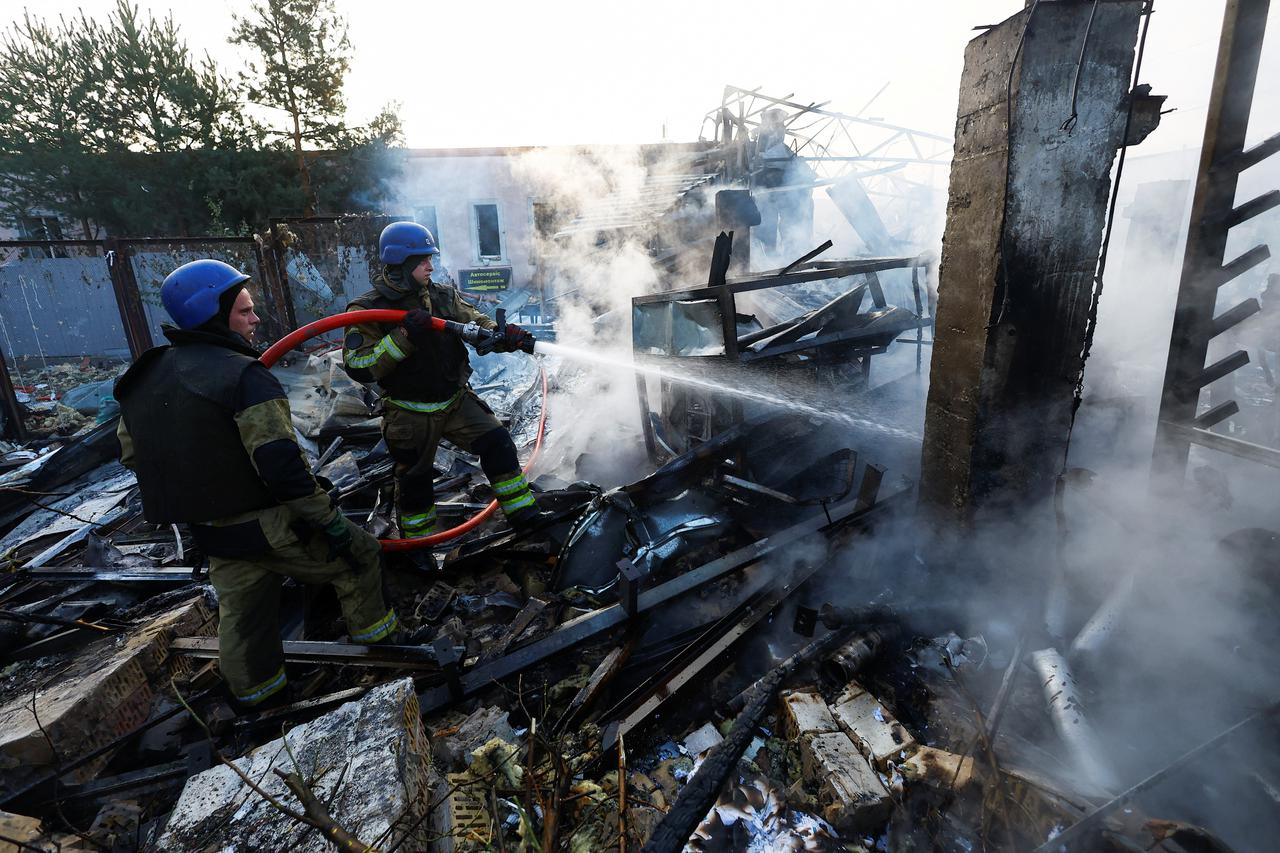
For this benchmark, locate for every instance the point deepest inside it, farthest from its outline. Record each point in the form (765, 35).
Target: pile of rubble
(704, 658)
(61, 399)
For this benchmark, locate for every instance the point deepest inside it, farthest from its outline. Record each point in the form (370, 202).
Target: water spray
(730, 385)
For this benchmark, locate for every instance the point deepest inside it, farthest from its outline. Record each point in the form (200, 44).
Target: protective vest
(179, 405)
(437, 368)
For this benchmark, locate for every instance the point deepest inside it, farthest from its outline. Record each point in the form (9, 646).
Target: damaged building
(837, 550)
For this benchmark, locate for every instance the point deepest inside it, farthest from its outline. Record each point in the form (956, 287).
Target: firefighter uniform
(426, 398)
(207, 429)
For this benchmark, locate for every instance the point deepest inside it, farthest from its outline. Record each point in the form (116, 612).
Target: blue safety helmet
(191, 292)
(401, 240)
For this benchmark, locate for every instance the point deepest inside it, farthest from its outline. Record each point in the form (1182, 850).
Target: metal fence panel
(329, 261)
(152, 262)
(59, 308)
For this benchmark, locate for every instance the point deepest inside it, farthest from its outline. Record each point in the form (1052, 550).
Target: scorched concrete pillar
(1025, 217)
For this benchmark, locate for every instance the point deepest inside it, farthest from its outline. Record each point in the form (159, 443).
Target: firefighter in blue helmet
(208, 431)
(423, 377)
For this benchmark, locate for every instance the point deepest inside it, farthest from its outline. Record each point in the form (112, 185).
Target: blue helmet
(190, 293)
(401, 240)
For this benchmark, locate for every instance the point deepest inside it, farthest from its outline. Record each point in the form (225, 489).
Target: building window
(488, 228)
(426, 216)
(545, 221)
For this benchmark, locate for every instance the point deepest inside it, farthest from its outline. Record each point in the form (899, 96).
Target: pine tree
(303, 55)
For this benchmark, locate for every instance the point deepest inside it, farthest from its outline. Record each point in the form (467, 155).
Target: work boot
(527, 517)
(395, 638)
(282, 697)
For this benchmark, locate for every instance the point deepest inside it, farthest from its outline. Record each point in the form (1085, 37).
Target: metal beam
(169, 575)
(1234, 315)
(746, 284)
(1255, 155)
(14, 428)
(311, 651)
(128, 300)
(832, 339)
(134, 780)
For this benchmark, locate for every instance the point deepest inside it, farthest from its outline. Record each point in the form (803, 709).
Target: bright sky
(511, 72)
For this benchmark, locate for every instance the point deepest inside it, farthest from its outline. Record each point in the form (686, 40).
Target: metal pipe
(845, 662)
(1066, 711)
(1097, 632)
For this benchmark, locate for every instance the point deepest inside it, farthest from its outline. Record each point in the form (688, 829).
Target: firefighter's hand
(515, 339)
(487, 342)
(418, 324)
(338, 534)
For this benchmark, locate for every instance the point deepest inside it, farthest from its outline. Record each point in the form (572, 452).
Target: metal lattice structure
(899, 169)
(836, 145)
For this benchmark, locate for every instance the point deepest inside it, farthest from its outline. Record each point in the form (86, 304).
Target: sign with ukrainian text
(484, 279)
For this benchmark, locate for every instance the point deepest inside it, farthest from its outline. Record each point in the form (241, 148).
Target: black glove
(338, 534)
(418, 324)
(489, 342)
(515, 339)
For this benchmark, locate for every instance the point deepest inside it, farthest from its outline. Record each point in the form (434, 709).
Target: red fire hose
(351, 318)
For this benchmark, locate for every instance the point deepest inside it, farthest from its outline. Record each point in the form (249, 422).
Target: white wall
(454, 180)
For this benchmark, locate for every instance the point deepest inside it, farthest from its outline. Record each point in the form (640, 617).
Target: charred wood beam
(589, 625)
(698, 796)
(663, 689)
(605, 671)
(667, 679)
(532, 610)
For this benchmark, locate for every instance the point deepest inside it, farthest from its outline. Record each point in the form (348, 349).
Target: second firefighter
(423, 375)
